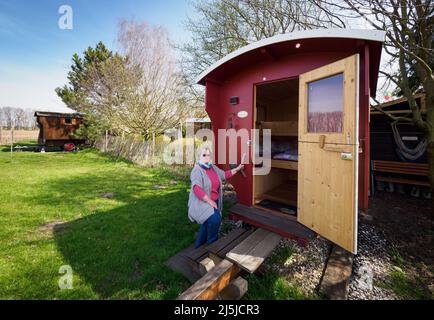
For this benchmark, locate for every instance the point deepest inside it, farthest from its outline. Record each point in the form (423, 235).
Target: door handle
(346, 156)
(331, 148)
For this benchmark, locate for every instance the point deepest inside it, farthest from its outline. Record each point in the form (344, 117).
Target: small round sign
(242, 114)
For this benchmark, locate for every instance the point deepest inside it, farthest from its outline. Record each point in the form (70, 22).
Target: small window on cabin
(326, 104)
(68, 121)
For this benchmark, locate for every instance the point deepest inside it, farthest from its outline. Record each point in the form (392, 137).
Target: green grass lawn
(116, 247)
(52, 214)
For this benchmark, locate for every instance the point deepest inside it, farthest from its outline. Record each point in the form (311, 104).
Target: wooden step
(187, 261)
(247, 255)
(284, 225)
(209, 286)
(251, 253)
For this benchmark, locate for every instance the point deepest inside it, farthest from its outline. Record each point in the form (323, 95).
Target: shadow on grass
(121, 247)
(29, 146)
(122, 251)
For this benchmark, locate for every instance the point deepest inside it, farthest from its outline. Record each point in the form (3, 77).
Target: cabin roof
(77, 115)
(310, 41)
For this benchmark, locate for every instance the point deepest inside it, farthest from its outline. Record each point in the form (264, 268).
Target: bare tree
(143, 93)
(20, 118)
(223, 26)
(161, 87)
(409, 26)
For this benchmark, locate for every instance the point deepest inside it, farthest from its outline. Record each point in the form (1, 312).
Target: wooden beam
(209, 286)
(206, 265)
(337, 274)
(250, 253)
(235, 290)
(400, 100)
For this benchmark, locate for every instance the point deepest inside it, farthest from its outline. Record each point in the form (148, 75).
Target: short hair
(202, 148)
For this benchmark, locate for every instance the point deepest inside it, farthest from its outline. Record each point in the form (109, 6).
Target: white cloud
(32, 87)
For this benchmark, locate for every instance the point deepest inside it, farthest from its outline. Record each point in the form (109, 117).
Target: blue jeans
(209, 230)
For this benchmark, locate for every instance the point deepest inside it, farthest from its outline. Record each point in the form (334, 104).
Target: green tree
(76, 94)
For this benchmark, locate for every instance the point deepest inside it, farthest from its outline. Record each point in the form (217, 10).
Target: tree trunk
(430, 135)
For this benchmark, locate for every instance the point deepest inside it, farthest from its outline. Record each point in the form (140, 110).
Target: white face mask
(205, 160)
(205, 165)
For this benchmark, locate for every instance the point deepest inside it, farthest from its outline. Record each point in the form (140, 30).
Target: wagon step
(248, 255)
(282, 224)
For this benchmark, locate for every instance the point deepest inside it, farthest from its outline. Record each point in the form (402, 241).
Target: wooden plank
(284, 164)
(337, 274)
(383, 163)
(287, 226)
(281, 128)
(250, 253)
(398, 101)
(183, 265)
(235, 290)
(206, 265)
(186, 252)
(209, 286)
(199, 253)
(187, 261)
(285, 193)
(222, 253)
(224, 241)
(403, 181)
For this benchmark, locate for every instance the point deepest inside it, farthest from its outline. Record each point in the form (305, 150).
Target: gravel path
(371, 266)
(306, 264)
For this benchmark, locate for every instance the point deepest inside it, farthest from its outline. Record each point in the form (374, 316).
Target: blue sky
(35, 54)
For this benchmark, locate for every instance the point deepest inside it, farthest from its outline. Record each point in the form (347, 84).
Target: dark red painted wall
(242, 85)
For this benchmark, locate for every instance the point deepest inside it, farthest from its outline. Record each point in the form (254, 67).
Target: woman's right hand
(213, 204)
(210, 202)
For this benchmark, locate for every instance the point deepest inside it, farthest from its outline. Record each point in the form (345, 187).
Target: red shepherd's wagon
(312, 89)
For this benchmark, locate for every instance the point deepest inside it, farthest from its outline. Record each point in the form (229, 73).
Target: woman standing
(205, 203)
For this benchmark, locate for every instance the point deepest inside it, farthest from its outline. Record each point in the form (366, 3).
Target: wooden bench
(399, 168)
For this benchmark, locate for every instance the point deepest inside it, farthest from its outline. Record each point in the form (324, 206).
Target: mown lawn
(55, 210)
(116, 247)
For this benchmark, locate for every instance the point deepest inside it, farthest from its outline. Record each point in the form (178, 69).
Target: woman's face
(205, 157)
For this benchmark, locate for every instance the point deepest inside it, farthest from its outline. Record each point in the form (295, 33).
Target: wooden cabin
(56, 129)
(312, 89)
(391, 163)
(383, 146)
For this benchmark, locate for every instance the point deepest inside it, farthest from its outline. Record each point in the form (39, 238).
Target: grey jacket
(199, 210)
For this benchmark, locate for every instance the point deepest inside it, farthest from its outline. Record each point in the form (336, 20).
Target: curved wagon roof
(309, 41)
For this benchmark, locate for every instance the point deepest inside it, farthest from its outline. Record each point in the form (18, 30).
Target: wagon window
(326, 104)
(68, 121)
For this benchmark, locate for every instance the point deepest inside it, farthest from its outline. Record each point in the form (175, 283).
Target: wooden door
(328, 151)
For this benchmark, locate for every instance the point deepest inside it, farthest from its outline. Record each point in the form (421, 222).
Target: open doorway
(276, 108)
